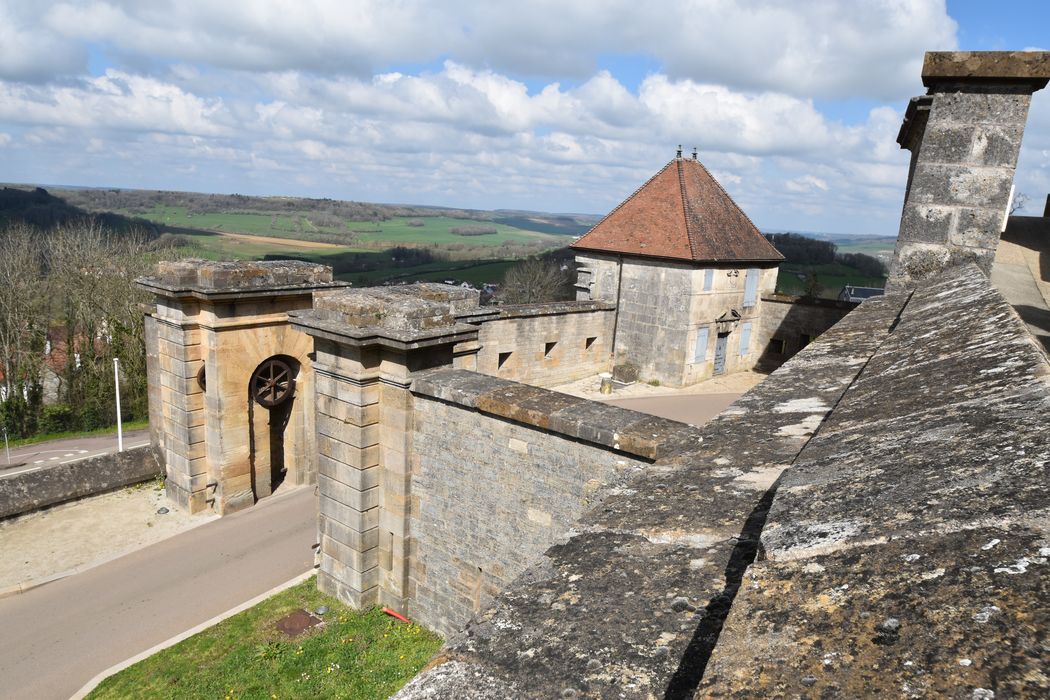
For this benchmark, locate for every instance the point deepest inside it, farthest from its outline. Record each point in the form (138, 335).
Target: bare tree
(536, 280)
(1019, 202)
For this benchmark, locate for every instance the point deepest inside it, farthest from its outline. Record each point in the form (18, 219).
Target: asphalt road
(47, 454)
(55, 638)
(694, 409)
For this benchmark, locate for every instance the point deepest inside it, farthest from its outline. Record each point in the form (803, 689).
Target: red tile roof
(681, 213)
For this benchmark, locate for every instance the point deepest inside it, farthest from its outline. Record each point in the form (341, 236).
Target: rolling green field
(436, 230)
(881, 248)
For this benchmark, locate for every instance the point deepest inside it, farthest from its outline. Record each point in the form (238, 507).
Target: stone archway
(271, 398)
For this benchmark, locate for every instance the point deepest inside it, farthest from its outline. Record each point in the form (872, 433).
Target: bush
(57, 419)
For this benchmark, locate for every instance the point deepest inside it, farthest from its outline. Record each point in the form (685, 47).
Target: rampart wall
(491, 493)
(547, 344)
(869, 518)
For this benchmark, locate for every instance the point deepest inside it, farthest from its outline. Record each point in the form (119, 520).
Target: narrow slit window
(589, 342)
(548, 348)
(503, 357)
(803, 340)
(776, 346)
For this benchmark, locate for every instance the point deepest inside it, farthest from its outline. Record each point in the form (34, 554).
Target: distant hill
(40, 209)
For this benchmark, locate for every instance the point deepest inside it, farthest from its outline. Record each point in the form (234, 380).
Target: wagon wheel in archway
(272, 384)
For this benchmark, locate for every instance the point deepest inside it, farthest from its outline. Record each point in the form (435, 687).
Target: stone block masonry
(872, 517)
(547, 344)
(29, 491)
(965, 137)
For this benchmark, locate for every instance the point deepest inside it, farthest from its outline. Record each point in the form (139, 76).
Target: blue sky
(540, 104)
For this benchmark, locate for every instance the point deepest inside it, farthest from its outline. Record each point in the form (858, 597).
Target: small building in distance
(858, 294)
(686, 269)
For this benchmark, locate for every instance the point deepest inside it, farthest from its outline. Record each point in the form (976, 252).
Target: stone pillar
(368, 345)
(214, 324)
(965, 137)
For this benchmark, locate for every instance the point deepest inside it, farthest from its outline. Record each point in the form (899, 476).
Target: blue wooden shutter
(700, 353)
(709, 279)
(751, 287)
(745, 337)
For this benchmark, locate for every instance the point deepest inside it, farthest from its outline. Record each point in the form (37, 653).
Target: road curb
(91, 684)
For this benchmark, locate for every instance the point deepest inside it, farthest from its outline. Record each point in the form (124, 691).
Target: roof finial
(679, 154)
(694, 152)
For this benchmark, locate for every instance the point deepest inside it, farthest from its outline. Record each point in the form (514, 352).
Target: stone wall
(790, 323)
(29, 491)
(871, 518)
(490, 495)
(547, 344)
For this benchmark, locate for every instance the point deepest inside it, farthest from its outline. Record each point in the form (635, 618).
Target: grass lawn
(44, 437)
(832, 278)
(355, 654)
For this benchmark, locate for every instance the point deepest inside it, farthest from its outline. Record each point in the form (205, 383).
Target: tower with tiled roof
(686, 269)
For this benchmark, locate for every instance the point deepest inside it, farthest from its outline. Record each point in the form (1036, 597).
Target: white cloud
(31, 52)
(5, 139)
(831, 48)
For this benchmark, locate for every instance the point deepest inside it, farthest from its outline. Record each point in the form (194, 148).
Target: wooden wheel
(272, 384)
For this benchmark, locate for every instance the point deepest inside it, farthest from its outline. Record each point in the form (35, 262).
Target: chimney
(964, 136)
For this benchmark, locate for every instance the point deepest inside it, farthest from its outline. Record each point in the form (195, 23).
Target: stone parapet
(620, 429)
(630, 602)
(209, 278)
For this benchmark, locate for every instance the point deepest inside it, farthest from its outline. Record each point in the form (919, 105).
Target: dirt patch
(290, 242)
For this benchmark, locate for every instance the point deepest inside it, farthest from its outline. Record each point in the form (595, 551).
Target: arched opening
(271, 397)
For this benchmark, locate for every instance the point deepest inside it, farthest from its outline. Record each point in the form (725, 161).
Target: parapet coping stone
(553, 308)
(330, 325)
(620, 429)
(810, 301)
(212, 280)
(1011, 67)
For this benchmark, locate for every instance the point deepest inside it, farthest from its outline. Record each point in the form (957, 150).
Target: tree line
(804, 250)
(68, 307)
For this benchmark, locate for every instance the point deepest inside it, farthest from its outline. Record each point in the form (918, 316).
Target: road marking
(52, 459)
(38, 461)
(68, 455)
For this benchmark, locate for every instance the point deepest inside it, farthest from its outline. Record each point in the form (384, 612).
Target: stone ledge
(1022, 67)
(620, 429)
(208, 279)
(554, 308)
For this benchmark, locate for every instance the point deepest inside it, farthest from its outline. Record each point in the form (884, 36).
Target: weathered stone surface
(1028, 67)
(28, 491)
(943, 616)
(405, 308)
(213, 276)
(598, 617)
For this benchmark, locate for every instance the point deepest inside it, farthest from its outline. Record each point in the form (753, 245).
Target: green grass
(437, 230)
(832, 277)
(44, 437)
(357, 654)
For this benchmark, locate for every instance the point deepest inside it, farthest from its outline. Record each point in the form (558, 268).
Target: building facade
(686, 269)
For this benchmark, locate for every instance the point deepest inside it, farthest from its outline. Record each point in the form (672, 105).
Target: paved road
(48, 454)
(55, 638)
(694, 409)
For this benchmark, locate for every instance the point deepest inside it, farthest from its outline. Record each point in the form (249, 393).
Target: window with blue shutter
(709, 280)
(700, 352)
(751, 287)
(745, 337)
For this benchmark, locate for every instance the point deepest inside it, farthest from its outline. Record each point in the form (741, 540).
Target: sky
(547, 105)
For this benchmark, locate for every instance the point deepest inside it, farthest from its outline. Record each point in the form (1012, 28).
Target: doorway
(271, 396)
(720, 353)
